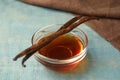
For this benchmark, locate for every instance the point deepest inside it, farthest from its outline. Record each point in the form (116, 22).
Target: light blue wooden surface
(18, 21)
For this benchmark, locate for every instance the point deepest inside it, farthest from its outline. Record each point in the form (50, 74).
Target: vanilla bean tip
(23, 65)
(15, 59)
(23, 61)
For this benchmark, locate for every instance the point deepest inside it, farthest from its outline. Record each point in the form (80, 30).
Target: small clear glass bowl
(56, 64)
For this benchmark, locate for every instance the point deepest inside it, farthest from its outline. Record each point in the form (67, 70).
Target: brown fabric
(109, 29)
(109, 8)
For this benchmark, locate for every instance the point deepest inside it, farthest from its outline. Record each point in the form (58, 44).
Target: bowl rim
(58, 61)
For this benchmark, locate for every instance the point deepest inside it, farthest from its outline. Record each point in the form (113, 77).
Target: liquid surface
(63, 47)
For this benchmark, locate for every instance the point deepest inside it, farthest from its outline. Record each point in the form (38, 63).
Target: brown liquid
(63, 47)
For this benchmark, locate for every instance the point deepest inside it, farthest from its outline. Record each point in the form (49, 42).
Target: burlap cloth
(107, 28)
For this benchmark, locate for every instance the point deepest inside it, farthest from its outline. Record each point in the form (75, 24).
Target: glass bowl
(60, 64)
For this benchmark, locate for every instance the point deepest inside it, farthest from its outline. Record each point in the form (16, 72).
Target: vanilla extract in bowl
(63, 47)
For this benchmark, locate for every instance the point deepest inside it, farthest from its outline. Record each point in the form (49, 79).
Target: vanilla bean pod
(67, 27)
